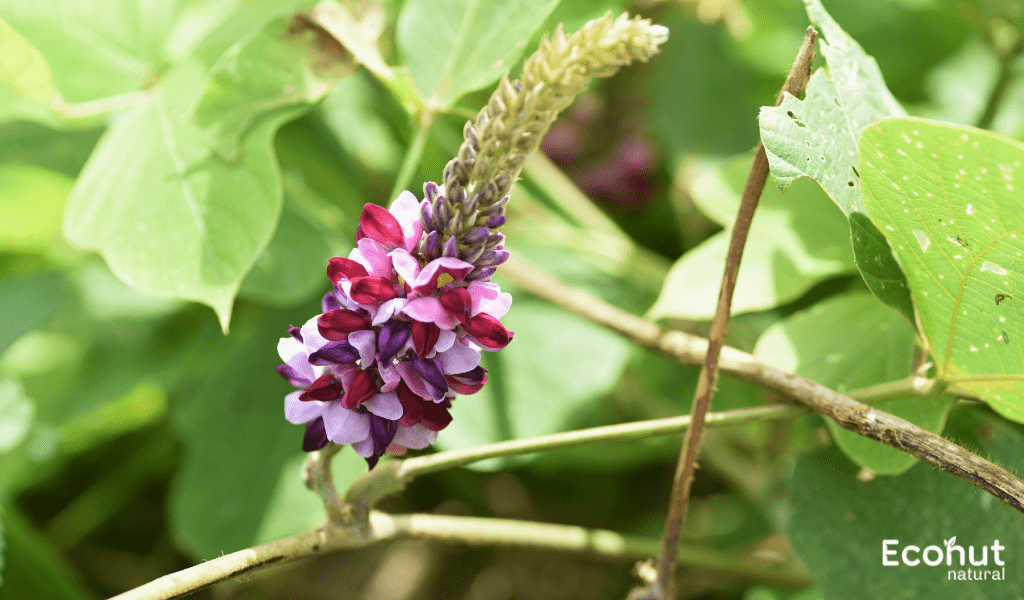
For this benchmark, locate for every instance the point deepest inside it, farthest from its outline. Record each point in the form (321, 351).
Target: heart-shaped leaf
(947, 199)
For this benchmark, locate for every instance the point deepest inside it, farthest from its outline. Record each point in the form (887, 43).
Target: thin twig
(430, 463)
(663, 587)
(848, 413)
(1007, 63)
(467, 530)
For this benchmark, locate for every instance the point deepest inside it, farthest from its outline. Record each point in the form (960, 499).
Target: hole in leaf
(855, 172)
(850, 183)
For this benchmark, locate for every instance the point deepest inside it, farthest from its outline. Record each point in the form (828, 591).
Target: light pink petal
(293, 353)
(416, 437)
(345, 426)
(458, 359)
(488, 298)
(311, 337)
(365, 342)
(414, 381)
(405, 265)
(407, 210)
(298, 411)
(444, 341)
(373, 256)
(428, 309)
(389, 309)
(385, 405)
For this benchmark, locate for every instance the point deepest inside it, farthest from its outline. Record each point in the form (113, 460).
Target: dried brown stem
(663, 586)
(848, 413)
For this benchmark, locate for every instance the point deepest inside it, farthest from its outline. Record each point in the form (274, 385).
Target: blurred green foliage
(220, 151)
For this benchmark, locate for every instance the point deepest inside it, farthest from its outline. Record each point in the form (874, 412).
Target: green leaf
(839, 522)
(26, 301)
(237, 441)
(865, 345)
(795, 241)
(293, 266)
(452, 47)
(23, 69)
(556, 366)
(16, 413)
(817, 137)
(97, 49)
(281, 66)
(947, 199)
(33, 567)
(168, 214)
(686, 120)
(32, 202)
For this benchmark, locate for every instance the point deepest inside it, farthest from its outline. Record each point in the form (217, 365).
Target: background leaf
(457, 46)
(946, 198)
(817, 137)
(795, 241)
(850, 342)
(97, 49)
(924, 506)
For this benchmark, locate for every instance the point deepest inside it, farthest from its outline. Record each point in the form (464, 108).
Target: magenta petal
(339, 268)
(345, 426)
(372, 290)
(380, 226)
(488, 331)
(407, 267)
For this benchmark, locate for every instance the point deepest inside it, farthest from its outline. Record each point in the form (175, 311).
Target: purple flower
(396, 342)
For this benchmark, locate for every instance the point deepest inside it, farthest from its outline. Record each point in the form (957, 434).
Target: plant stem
(468, 530)
(412, 467)
(412, 156)
(848, 413)
(664, 587)
(998, 93)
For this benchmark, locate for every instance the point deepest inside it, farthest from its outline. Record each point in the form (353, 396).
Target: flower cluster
(398, 339)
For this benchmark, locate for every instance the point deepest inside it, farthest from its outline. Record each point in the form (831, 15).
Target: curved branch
(848, 413)
(468, 530)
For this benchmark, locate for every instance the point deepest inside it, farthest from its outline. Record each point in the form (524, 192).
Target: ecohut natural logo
(950, 555)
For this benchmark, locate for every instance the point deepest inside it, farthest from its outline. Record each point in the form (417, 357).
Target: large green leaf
(33, 567)
(817, 137)
(171, 217)
(795, 241)
(556, 366)
(237, 444)
(839, 522)
(457, 46)
(95, 49)
(866, 345)
(947, 198)
(280, 66)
